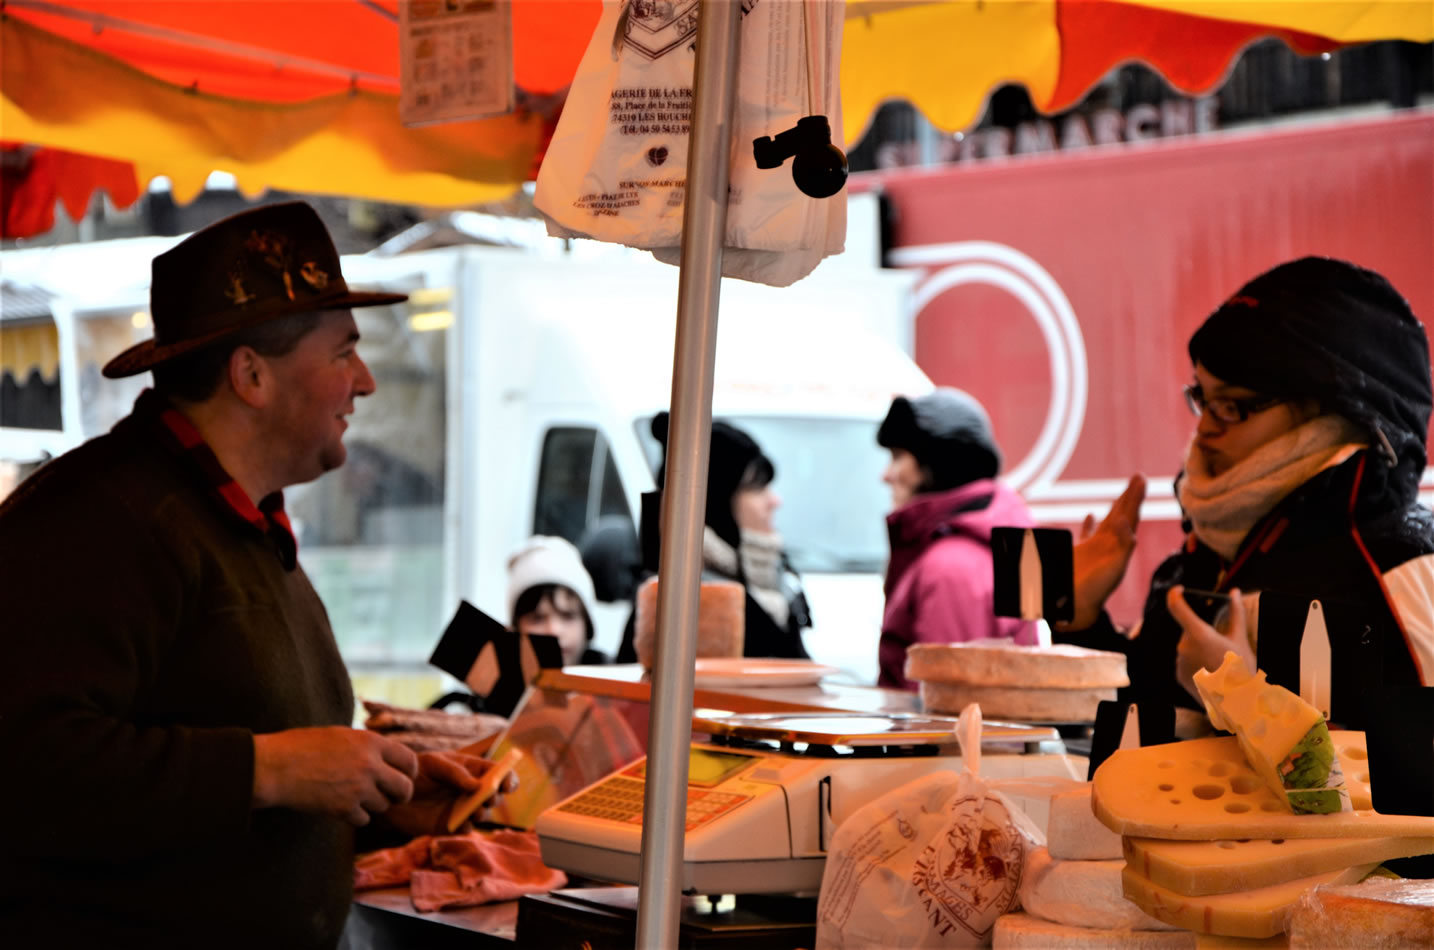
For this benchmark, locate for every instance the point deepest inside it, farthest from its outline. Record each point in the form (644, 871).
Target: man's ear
(249, 376)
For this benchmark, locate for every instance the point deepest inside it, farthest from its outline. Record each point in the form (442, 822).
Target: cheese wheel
(1022, 705)
(1080, 894)
(1205, 790)
(721, 620)
(1025, 932)
(1003, 663)
(1261, 912)
(1274, 727)
(1074, 833)
(1377, 914)
(1219, 867)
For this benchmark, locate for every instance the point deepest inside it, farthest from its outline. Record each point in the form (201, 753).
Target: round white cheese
(1022, 705)
(1024, 932)
(1003, 663)
(1081, 894)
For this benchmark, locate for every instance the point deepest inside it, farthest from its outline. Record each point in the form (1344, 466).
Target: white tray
(739, 671)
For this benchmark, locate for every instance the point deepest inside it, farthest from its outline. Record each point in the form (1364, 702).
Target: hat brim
(143, 357)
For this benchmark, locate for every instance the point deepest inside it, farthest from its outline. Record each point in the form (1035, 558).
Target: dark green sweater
(146, 633)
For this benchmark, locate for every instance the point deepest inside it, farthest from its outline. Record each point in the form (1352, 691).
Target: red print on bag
(963, 888)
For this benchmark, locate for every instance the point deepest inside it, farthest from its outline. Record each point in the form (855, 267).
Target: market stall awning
(302, 95)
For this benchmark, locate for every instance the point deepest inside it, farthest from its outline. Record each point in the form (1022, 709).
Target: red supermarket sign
(1061, 291)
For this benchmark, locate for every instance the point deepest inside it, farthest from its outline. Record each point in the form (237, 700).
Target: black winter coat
(1309, 546)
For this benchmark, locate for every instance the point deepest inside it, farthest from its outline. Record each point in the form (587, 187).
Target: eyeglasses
(1227, 410)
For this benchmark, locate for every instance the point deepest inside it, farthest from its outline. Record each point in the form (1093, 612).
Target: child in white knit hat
(550, 592)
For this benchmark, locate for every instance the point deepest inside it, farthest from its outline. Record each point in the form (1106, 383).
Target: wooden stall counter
(630, 682)
(386, 918)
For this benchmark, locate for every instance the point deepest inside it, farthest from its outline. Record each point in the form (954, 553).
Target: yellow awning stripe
(947, 57)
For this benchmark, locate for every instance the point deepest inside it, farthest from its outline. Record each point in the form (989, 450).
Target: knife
(1314, 660)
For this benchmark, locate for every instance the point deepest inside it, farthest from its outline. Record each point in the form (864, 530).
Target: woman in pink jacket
(945, 498)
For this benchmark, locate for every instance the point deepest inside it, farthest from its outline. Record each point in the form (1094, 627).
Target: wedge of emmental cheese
(1205, 790)
(1285, 739)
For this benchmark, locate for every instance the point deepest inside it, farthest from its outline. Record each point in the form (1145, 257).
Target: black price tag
(1034, 573)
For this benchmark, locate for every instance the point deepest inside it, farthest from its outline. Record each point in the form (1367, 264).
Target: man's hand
(443, 778)
(1202, 647)
(332, 770)
(1102, 554)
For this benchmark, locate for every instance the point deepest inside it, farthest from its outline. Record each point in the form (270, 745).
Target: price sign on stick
(455, 60)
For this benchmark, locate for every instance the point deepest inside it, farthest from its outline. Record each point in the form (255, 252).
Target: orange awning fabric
(302, 95)
(32, 179)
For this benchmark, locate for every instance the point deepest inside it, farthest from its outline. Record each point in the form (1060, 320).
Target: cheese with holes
(1080, 894)
(1025, 932)
(1354, 762)
(1003, 663)
(1261, 912)
(1010, 702)
(1074, 833)
(1377, 914)
(1203, 789)
(1284, 737)
(1217, 867)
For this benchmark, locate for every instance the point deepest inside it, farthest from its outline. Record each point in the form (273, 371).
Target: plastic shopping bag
(930, 864)
(616, 168)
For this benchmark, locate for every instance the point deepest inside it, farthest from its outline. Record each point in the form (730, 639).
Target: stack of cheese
(1027, 684)
(1377, 914)
(1071, 891)
(1216, 846)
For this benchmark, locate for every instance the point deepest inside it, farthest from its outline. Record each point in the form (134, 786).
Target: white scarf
(761, 555)
(1223, 508)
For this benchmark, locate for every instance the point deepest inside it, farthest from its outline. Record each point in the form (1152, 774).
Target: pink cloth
(939, 585)
(461, 870)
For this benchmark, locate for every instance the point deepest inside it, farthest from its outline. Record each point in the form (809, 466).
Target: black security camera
(818, 166)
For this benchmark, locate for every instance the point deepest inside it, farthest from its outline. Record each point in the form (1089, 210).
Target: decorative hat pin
(497, 664)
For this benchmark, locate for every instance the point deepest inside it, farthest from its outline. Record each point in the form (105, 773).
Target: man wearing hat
(174, 714)
(1311, 387)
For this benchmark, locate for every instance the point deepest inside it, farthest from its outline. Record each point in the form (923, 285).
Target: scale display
(619, 797)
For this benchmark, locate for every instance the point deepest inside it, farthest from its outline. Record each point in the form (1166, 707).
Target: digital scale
(767, 792)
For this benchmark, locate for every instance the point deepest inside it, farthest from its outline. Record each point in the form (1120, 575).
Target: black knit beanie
(948, 432)
(1325, 329)
(731, 455)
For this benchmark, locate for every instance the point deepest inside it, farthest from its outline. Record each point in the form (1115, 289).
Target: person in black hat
(1311, 386)
(945, 501)
(175, 719)
(741, 544)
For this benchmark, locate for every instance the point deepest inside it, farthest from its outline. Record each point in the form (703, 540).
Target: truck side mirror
(610, 553)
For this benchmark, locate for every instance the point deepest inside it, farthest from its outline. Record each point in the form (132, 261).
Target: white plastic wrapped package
(616, 168)
(930, 864)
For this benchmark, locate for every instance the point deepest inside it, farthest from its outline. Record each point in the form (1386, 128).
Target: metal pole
(704, 227)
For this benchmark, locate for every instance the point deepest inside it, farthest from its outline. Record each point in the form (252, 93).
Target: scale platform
(889, 732)
(766, 794)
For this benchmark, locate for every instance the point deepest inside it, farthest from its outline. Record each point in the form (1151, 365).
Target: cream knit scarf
(1224, 508)
(761, 556)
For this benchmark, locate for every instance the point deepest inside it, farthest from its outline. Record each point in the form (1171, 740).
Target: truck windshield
(834, 503)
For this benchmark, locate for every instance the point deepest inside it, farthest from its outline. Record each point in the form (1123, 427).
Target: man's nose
(364, 384)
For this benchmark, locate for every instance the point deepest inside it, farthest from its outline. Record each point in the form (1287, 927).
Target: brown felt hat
(247, 269)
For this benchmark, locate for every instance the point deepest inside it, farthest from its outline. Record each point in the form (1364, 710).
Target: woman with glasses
(1311, 389)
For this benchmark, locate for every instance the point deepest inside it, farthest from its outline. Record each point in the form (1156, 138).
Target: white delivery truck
(514, 396)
